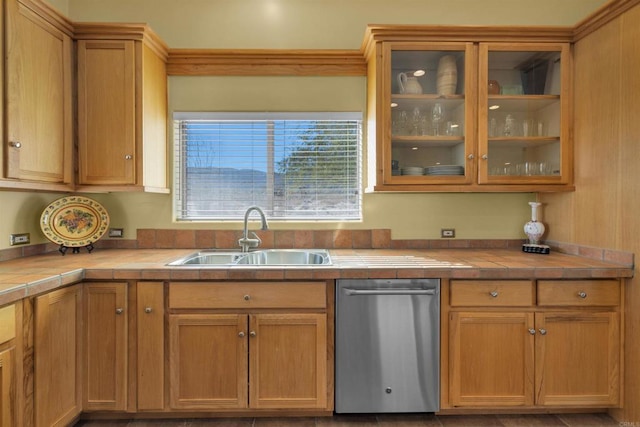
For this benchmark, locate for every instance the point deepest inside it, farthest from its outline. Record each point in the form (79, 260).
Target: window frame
(178, 199)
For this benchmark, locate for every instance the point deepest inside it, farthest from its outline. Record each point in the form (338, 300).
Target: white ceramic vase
(534, 229)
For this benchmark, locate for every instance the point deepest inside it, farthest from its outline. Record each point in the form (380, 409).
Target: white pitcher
(409, 85)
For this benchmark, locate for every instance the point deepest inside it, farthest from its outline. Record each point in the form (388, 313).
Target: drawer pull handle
(247, 297)
(148, 310)
(543, 331)
(252, 334)
(494, 294)
(119, 310)
(582, 294)
(241, 334)
(532, 331)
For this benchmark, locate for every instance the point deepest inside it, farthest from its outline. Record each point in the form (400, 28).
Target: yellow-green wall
(305, 24)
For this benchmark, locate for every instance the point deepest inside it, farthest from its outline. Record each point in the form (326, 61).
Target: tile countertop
(33, 275)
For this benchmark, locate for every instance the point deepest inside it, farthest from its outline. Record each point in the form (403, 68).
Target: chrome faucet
(245, 242)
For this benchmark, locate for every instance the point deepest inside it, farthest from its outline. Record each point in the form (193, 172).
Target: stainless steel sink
(209, 258)
(280, 257)
(286, 257)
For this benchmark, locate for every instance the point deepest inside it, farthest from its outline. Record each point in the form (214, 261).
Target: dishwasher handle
(353, 292)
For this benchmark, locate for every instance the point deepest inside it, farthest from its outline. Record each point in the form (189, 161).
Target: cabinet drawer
(7, 323)
(247, 295)
(579, 292)
(491, 293)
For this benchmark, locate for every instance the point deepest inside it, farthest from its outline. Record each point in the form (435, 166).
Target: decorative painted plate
(74, 221)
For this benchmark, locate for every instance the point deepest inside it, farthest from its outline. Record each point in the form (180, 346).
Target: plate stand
(63, 249)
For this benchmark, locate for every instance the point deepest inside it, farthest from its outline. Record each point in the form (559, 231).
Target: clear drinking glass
(437, 117)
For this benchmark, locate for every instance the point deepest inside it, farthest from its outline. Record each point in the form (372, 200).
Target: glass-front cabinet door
(429, 125)
(523, 123)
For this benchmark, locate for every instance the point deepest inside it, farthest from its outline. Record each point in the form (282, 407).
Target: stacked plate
(413, 170)
(444, 170)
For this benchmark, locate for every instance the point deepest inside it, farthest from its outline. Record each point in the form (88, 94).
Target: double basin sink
(278, 257)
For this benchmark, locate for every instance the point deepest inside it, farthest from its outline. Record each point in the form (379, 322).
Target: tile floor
(422, 420)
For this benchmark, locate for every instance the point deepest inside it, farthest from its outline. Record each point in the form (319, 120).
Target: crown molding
(117, 31)
(265, 62)
(602, 16)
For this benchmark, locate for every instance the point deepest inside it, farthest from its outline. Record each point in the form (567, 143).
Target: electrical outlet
(116, 232)
(448, 233)
(19, 239)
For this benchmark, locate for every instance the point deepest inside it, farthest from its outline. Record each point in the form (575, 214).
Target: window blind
(296, 166)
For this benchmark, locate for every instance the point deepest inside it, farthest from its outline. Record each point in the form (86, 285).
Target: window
(296, 166)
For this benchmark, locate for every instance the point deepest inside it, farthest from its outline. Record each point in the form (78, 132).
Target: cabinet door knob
(252, 334)
(582, 294)
(15, 144)
(247, 297)
(494, 294)
(485, 157)
(148, 310)
(543, 331)
(241, 334)
(532, 331)
(119, 310)
(470, 157)
(128, 157)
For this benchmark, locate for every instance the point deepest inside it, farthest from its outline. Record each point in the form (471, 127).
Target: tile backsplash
(320, 239)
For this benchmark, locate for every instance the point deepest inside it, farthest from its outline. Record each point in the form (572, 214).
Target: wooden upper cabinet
(106, 112)
(440, 127)
(425, 124)
(38, 142)
(122, 109)
(523, 120)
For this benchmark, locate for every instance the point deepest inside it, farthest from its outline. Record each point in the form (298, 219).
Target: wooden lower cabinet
(564, 352)
(57, 345)
(8, 382)
(491, 359)
(287, 360)
(150, 346)
(208, 361)
(578, 359)
(242, 361)
(7, 388)
(105, 344)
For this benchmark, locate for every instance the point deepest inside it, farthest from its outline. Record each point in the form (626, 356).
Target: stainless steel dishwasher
(387, 346)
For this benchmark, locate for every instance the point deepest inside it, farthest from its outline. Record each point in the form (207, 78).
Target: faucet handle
(257, 238)
(246, 242)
